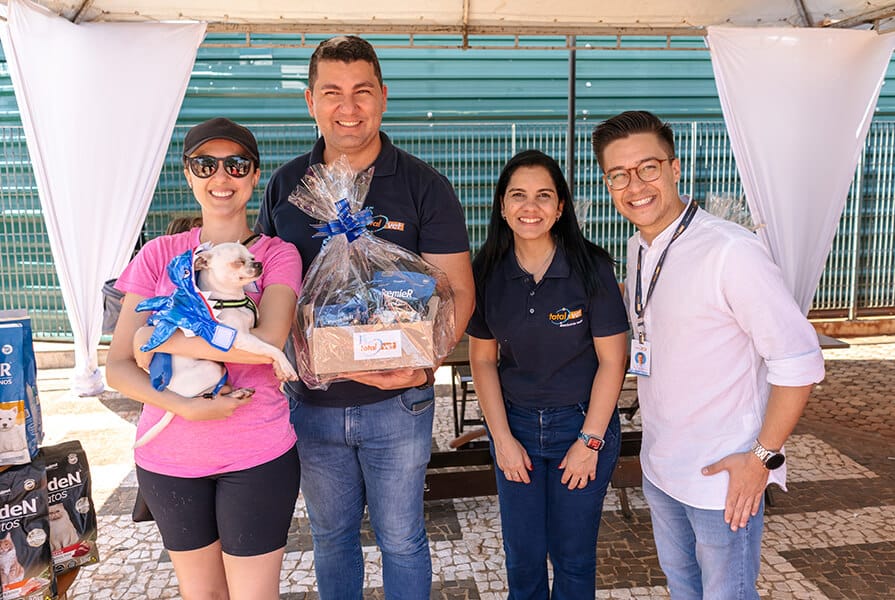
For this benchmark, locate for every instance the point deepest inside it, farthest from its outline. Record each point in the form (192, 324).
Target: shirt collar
(559, 268)
(385, 164)
(666, 233)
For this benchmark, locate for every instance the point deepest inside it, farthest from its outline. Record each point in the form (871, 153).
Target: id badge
(640, 358)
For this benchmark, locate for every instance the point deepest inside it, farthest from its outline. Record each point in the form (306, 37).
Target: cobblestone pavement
(831, 536)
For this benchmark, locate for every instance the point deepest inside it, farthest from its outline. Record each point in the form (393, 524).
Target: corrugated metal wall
(467, 112)
(267, 84)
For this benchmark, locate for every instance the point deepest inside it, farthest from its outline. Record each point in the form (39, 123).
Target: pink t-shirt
(256, 432)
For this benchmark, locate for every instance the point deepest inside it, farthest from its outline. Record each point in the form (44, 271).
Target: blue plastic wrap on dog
(160, 370)
(186, 308)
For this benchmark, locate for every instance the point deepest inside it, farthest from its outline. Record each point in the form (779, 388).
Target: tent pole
(803, 12)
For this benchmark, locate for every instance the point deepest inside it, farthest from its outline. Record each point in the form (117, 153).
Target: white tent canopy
(471, 17)
(79, 42)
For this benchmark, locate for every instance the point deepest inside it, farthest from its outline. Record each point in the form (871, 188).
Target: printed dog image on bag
(71, 511)
(21, 430)
(26, 565)
(12, 433)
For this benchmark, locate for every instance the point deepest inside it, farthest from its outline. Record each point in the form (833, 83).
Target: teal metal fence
(859, 277)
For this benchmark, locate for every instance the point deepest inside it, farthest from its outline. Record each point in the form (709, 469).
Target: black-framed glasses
(205, 166)
(647, 171)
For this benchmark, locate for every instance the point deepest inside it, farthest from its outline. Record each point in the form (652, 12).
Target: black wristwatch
(770, 459)
(430, 380)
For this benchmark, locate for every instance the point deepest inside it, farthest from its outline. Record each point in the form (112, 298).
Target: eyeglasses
(647, 171)
(205, 166)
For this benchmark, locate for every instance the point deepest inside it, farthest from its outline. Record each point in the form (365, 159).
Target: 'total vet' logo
(381, 222)
(565, 316)
(377, 345)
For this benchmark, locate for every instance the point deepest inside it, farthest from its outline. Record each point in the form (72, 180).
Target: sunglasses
(205, 166)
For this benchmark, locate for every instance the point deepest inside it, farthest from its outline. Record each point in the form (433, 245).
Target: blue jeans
(375, 454)
(700, 555)
(544, 518)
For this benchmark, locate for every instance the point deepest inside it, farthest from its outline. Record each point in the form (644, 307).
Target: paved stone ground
(831, 536)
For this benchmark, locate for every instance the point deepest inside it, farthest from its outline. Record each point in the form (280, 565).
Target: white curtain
(798, 104)
(98, 104)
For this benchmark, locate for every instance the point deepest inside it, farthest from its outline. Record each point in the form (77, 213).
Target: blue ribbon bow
(352, 225)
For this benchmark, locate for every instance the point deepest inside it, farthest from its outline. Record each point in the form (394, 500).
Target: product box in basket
(373, 346)
(21, 430)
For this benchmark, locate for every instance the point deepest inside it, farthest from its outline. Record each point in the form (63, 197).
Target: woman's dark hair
(583, 255)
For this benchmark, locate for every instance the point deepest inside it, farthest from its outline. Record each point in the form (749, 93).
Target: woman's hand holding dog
(220, 406)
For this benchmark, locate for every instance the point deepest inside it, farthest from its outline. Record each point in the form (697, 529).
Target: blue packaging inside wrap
(21, 426)
(353, 312)
(406, 285)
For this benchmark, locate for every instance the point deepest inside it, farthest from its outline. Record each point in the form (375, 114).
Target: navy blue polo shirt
(413, 206)
(545, 330)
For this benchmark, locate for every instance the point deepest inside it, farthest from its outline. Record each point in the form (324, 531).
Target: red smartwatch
(591, 441)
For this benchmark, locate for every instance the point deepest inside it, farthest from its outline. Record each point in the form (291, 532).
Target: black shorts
(250, 511)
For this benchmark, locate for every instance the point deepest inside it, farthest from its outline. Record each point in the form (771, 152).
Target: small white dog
(222, 271)
(12, 435)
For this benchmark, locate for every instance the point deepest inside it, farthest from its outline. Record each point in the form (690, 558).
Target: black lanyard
(639, 302)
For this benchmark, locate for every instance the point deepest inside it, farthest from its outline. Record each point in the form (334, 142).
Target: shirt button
(531, 311)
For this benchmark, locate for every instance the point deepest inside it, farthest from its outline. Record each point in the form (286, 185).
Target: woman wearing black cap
(222, 478)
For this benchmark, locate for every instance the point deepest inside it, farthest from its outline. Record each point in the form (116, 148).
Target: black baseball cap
(220, 129)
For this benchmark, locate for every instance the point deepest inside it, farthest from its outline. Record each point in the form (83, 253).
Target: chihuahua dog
(222, 272)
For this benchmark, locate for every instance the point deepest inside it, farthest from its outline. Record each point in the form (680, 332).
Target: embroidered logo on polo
(566, 317)
(381, 222)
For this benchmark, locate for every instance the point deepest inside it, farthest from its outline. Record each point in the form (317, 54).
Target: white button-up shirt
(722, 327)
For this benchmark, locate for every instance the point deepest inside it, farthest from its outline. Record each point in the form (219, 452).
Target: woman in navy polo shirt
(547, 348)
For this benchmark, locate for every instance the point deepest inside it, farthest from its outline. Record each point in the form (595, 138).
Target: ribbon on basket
(352, 225)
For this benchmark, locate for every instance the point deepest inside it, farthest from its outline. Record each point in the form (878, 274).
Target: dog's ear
(200, 262)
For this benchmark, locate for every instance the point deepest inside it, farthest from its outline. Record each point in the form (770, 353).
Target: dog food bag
(367, 304)
(72, 514)
(26, 566)
(21, 429)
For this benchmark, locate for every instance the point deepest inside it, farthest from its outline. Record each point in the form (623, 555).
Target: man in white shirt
(725, 363)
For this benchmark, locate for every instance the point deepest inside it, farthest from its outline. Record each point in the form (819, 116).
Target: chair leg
(623, 499)
(457, 422)
(462, 407)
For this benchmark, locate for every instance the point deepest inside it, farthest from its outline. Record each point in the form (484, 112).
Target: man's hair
(345, 48)
(627, 123)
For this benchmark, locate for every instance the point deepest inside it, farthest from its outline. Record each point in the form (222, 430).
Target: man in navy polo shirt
(368, 441)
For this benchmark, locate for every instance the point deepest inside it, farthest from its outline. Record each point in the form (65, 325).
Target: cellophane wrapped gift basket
(367, 304)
